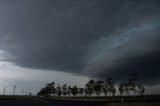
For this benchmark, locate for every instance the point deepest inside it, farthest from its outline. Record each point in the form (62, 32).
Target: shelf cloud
(89, 37)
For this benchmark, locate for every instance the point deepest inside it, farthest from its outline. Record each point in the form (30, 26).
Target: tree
(22, 92)
(141, 89)
(48, 90)
(98, 87)
(111, 86)
(64, 89)
(105, 89)
(59, 91)
(131, 84)
(89, 89)
(80, 91)
(14, 89)
(51, 88)
(4, 90)
(113, 91)
(121, 88)
(69, 90)
(43, 92)
(74, 91)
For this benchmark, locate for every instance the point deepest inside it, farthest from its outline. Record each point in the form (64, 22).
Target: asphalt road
(44, 102)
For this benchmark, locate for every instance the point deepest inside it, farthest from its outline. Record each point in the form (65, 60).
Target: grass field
(16, 97)
(152, 100)
(135, 104)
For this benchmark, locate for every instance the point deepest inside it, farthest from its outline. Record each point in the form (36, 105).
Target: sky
(71, 41)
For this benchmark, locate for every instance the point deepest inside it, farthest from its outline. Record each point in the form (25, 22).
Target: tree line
(96, 88)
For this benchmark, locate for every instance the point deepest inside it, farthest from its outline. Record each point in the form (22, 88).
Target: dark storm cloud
(80, 36)
(139, 54)
(53, 34)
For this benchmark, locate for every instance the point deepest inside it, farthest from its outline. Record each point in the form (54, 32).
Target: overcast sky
(70, 41)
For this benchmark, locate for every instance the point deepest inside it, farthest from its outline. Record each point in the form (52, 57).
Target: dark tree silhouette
(48, 90)
(111, 86)
(89, 90)
(22, 92)
(4, 90)
(51, 88)
(69, 90)
(74, 91)
(43, 92)
(131, 84)
(80, 91)
(59, 91)
(141, 90)
(14, 89)
(64, 89)
(105, 89)
(121, 88)
(98, 87)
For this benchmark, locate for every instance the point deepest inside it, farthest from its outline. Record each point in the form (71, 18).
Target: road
(44, 102)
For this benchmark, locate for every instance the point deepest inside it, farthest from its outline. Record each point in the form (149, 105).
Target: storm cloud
(99, 38)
